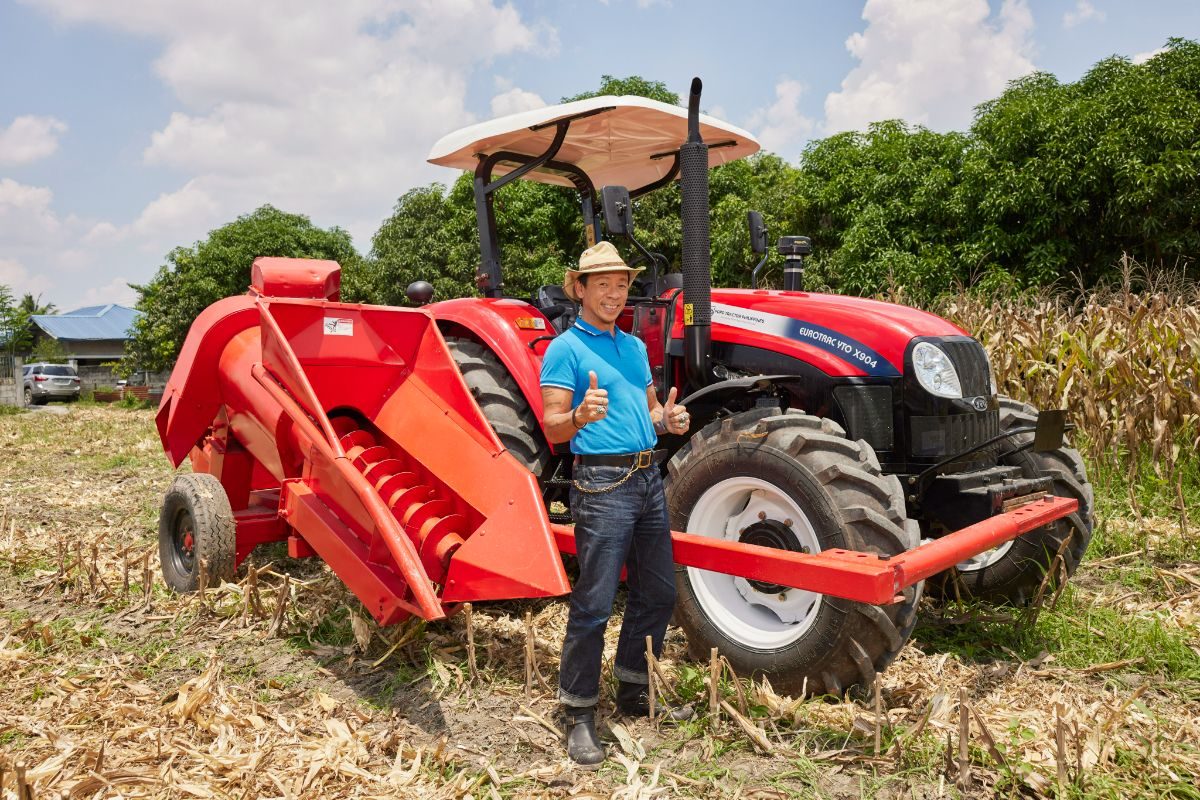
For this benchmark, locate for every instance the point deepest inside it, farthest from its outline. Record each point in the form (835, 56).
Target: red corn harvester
(401, 445)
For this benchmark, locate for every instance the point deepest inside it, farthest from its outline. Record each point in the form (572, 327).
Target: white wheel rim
(985, 559)
(744, 614)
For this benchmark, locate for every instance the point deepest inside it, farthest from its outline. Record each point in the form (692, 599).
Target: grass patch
(10, 411)
(332, 629)
(1079, 634)
(117, 461)
(12, 739)
(1151, 491)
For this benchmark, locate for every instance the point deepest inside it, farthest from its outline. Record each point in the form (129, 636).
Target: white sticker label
(339, 326)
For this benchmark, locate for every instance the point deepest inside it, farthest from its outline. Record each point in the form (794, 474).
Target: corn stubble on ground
(281, 686)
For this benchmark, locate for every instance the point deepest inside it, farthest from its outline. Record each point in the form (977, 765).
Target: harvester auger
(846, 451)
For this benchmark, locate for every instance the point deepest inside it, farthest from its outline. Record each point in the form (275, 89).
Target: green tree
(432, 236)
(634, 85)
(1065, 178)
(21, 324)
(882, 207)
(33, 305)
(197, 276)
(8, 321)
(49, 350)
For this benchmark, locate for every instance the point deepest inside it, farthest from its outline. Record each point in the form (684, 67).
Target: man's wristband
(660, 426)
(575, 420)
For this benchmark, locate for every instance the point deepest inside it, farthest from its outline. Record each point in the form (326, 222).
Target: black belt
(642, 460)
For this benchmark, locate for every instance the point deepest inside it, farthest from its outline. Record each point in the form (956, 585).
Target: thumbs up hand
(675, 417)
(595, 401)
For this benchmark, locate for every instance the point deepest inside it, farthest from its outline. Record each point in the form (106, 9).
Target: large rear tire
(793, 481)
(1013, 572)
(502, 403)
(196, 525)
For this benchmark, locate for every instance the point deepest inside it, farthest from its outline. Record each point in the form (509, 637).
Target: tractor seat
(558, 308)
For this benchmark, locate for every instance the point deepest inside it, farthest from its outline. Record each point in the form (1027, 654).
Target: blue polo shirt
(622, 367)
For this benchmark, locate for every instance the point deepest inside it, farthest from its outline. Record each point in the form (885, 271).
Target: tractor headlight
(934, 371)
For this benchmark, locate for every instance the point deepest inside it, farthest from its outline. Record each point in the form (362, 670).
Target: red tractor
(844, 449)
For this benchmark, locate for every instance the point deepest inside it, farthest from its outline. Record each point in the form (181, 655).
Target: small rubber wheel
(196, 525)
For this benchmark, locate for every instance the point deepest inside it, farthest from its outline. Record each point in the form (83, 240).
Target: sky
(131, 127)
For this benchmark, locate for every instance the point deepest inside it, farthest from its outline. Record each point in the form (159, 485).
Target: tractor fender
(512, 329)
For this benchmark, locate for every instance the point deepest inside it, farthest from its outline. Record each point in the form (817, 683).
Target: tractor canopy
(615, 141)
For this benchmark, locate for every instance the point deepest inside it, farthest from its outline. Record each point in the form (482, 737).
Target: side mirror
(618, 210)
(420, 292)
(758, 232)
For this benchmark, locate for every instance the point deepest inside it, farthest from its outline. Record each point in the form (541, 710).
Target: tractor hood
(843, 336)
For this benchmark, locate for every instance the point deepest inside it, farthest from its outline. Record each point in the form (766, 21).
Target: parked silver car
(45, 382)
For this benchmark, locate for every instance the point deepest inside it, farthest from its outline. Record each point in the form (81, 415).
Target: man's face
(603, 298)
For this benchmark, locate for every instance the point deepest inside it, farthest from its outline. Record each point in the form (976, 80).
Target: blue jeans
(626, 527)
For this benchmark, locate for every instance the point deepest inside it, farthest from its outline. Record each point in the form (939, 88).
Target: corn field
(1123, 363)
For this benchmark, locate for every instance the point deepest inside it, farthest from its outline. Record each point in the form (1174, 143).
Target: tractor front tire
(792, 481)
(1012, 573)
(196, 525)
(501, 402)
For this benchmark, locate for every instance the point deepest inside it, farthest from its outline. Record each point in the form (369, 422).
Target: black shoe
(583, 745)
(633, 701)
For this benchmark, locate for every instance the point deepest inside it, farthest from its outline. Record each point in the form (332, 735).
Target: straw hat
(600, 257)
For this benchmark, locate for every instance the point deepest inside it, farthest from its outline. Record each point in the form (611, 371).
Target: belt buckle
(645, 459)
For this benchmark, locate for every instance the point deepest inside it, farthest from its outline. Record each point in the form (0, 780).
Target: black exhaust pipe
(697, 258)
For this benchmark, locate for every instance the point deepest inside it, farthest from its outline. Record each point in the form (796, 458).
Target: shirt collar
(594, 331)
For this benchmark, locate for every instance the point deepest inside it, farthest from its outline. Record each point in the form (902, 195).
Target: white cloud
(930, 62)
(41, 250)
(1083, 11)
(514, 101)
(16, 277)
(323, 109)
(780, 127)
(29, 138)
(172, 215)
(1142, 58)
(25, 214)
(115, 291)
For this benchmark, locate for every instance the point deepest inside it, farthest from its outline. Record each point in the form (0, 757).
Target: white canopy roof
(629, 142)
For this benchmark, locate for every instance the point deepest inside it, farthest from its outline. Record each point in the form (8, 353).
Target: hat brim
(573, 275)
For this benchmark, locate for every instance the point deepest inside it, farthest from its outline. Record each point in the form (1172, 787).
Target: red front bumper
(864, 577)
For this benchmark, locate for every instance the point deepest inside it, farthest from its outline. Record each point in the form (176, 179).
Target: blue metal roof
(93, 322)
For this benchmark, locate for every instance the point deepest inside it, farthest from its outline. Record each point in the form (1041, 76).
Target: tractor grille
(953, 433)
(970, 361)
(868, 413)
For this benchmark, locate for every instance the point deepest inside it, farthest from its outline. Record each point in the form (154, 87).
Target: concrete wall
(11, 393)
(91, 377)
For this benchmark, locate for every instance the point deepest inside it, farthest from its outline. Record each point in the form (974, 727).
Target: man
(598, 393)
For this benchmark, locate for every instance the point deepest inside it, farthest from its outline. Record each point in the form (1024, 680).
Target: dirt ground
(280, 686)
